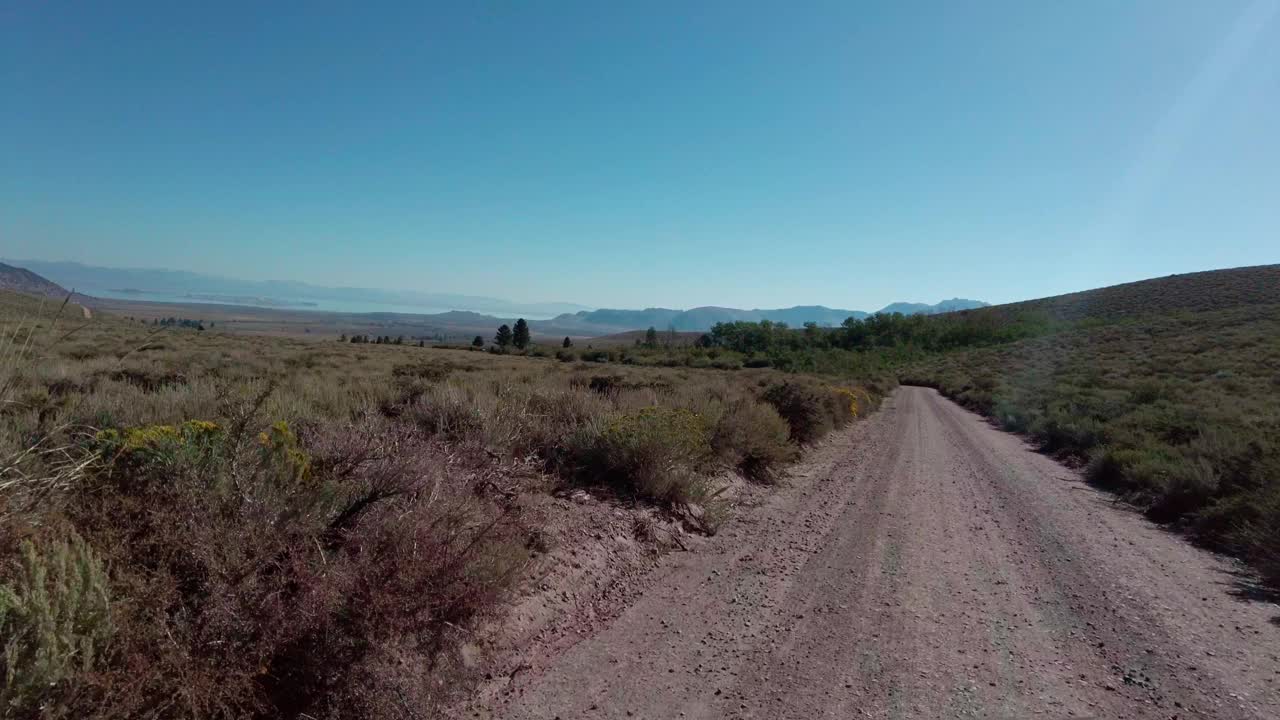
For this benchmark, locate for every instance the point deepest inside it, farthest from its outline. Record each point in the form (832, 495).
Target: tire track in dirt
(924, 564)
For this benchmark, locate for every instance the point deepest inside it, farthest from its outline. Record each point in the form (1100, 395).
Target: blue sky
(662, 153)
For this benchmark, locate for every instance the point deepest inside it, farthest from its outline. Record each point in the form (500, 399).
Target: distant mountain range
(439, 309)
(702, 318)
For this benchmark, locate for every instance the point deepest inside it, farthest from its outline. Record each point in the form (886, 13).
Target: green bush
(1188, 486)
(810, 409)
(754, 439)
(140, 459)
(280, 453)
(55, 618)
(1061, 432)
(654, 452)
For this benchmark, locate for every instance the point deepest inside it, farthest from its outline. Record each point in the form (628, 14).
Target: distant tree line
(378, 340)
(179, 322)
(927, 333)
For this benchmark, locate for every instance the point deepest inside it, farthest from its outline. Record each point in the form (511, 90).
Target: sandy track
(923, 565)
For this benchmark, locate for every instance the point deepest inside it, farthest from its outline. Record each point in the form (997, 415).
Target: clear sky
(663, 153)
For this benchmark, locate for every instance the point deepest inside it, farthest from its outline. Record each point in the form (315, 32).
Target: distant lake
(289, 303)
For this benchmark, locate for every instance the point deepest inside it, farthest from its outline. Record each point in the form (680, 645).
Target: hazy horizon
(744, 155)
(514, 303)
(128, 292)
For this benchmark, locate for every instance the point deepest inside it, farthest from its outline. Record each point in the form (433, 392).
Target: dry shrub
(754, 439)
(810, 409)
(280, 579)
(1259, 536)
(655, 452)
(1247, 525)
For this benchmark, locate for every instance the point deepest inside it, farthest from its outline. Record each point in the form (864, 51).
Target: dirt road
(925, 565)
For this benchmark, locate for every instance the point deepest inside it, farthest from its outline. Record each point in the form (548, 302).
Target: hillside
(1166, 390)
(1190, 292)
(21, 280)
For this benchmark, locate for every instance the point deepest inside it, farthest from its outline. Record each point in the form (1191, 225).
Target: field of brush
(195, 523)
(1178, 412)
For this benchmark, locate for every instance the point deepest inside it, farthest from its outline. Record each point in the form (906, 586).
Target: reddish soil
(920, 565)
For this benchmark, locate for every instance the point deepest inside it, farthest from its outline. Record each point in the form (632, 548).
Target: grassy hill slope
(1168, 390)
(1190, 292)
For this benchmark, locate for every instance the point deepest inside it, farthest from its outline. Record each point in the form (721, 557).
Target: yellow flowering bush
(280, 451)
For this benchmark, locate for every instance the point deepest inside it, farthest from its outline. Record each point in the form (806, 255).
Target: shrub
(1012, 416)
(279, 452)
(55, 618)
(1067, 433)
(448, 411)
(654, 452)
(811, 411)
(606, 384)
(753, 438)
(1140, 473)
(1187, 486)
(285, 596)
(1259, 537)
(139, 455)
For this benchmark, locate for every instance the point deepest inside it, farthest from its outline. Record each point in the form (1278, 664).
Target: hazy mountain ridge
(467, 311)
(702, 318)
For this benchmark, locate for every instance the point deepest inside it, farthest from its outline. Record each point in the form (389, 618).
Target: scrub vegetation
(1167, 391)
(1180, 415)
(199, 524)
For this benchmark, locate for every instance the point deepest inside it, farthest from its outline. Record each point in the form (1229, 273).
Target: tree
(478, 342)
(567, 342)
(651, 337)
(705, 341)
(503, 338)
(342, 337)
(521, 334)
